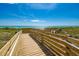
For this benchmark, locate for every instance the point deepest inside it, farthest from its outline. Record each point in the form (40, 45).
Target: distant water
(40, 27)
(22, 26)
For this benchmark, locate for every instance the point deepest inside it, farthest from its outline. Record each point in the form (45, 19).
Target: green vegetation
(72, 31)
(26, 30)
(5, 35)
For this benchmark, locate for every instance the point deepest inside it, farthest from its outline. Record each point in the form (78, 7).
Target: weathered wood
(5, 50)
(57, 45)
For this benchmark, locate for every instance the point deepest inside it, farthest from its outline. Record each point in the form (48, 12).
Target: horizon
(39, 14)
(37, 27)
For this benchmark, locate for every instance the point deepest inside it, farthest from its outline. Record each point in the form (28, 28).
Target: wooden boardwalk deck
(28, 47)
(21, 44)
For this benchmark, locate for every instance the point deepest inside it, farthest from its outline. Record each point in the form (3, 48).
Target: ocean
(22, 26)
(39, 27)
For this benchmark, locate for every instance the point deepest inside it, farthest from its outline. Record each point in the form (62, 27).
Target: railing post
(6, 49)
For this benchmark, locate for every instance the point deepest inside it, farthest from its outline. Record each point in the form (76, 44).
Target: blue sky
(42, 14)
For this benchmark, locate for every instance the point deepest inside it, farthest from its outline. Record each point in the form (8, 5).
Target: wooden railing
(56, 45)
(9, 47)
(68, 39)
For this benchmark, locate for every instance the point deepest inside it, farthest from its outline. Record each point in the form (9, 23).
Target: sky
(39, 14)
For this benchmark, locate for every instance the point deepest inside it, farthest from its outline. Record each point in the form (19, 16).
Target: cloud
(38, 21)
(35, 20)
(43, 5)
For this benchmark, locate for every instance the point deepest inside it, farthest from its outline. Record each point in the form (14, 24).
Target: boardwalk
(21, 44)
(28, 47)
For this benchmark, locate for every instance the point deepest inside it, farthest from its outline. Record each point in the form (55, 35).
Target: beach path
(28, 47)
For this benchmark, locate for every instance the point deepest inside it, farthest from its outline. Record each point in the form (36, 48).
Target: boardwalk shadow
(44, 49)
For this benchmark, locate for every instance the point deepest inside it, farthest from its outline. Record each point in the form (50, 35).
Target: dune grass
(6, 35)
(73, 31)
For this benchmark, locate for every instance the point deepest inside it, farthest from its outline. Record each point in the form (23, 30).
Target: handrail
(56, 45)
(7, 48)
(69, 39)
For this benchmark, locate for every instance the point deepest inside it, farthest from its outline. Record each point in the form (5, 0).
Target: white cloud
(38, 21)
(35, 20)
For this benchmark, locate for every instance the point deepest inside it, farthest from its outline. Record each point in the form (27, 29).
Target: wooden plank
(63, 52)
(73, 41)
(63, 47)
(71, 48)
(28, 47)
(70, 39)
(6, 48)
(53, 49)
